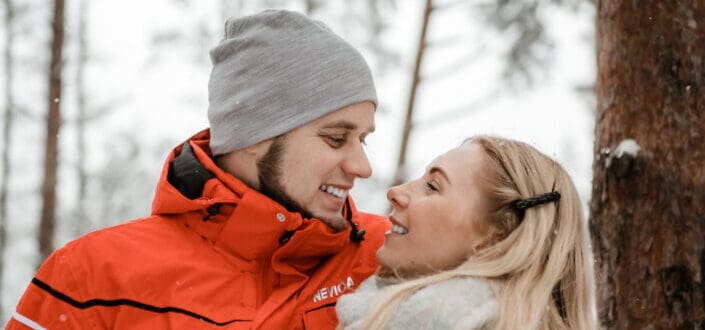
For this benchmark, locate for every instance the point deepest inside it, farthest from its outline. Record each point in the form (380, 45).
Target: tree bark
(647, 213)
(82, 223)
(399, 177)
(53, 121)
(8, 118)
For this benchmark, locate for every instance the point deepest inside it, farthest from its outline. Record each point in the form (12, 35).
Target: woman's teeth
(399, 230)
(337, 192)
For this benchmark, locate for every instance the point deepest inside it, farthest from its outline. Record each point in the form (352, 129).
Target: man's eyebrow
(346, 125)
(439, 171)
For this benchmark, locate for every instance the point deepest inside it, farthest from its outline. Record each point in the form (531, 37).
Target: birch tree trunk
(647, 213)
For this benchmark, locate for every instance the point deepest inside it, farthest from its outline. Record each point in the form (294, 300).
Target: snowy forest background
(135, 85)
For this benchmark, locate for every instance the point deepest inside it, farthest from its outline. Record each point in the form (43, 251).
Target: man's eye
(336, 141)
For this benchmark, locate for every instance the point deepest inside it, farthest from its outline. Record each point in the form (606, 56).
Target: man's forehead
(355, 117)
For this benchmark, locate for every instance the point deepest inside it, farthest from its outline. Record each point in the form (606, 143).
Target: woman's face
(436, 218)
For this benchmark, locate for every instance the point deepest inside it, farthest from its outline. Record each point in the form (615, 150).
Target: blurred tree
(90, 110)
(8, 118)
(529, 53)
(531, 48)
(399, 177)
(53, 122)
(310, 6)
(376, 22)
(81, 216)
(124, 182)
(647, 213)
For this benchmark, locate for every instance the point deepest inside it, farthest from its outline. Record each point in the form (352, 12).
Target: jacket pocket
(322, 317)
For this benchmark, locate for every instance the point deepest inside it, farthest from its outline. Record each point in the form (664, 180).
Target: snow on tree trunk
(647, 213)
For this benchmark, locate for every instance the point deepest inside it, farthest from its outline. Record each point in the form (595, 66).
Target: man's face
(312, 168)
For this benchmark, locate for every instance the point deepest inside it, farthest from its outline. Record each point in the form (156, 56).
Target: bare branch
(415, 81)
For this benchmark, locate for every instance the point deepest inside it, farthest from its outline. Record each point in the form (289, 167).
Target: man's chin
(337, 223)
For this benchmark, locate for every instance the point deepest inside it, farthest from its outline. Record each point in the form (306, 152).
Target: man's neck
(241, 165)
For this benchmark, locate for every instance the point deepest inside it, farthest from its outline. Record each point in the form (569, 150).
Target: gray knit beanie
(278, 70)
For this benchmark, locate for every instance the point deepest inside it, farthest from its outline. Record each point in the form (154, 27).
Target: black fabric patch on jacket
(187, 174)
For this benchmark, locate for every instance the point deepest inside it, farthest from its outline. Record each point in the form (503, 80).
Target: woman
(492, 236)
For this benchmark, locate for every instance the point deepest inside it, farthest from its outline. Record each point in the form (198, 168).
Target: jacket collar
(242, 222)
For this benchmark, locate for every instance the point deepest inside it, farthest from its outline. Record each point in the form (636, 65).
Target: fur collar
(461, 303)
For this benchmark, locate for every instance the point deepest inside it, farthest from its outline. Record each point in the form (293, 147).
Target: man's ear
(258, 149)
(242, 163)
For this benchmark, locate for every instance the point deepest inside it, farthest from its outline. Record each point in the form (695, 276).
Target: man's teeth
(337, 192)
(399, 230)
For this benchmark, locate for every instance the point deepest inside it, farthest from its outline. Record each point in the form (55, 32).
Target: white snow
(627, 146)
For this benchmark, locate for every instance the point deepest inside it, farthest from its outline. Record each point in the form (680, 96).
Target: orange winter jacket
(226, 258)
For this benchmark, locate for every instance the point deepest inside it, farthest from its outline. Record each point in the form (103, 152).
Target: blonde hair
(542, 262)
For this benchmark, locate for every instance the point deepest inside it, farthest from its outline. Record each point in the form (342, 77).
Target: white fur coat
(462, 303)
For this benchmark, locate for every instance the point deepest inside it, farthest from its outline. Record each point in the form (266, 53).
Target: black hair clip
(522, 204)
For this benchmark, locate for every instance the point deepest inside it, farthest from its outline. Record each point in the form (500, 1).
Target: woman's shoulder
(458, 303)
(464, 302)
(470, 290)
(353, 307)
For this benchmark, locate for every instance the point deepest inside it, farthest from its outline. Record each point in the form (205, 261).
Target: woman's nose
(397, 197)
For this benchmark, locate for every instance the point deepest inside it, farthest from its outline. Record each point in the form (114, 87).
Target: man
(251, 223)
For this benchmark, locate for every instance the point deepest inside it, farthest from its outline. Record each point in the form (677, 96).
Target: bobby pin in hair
(522, 204)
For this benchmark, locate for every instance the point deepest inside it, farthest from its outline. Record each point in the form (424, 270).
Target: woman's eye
(431, 186)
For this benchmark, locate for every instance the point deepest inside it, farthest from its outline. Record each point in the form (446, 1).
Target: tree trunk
(7, 132)
(82, 223)
(53, 120)
(310, 6)
(399, 177)
(647, 213)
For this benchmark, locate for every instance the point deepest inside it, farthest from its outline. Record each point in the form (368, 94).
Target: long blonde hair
(542, 261)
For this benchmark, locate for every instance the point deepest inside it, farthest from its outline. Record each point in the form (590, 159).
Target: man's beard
(269, 174)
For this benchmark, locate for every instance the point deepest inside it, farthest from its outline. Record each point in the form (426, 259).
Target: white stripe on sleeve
(26, 321)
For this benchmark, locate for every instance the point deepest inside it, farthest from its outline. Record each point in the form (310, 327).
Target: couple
(252, 226)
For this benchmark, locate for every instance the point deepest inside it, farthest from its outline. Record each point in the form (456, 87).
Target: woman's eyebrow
(440, 171)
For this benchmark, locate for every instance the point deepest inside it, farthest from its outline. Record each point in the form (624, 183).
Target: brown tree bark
(647, 213)
(53, 121)
(82, 223)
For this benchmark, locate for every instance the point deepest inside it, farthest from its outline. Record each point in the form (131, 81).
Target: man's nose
(357, 164)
